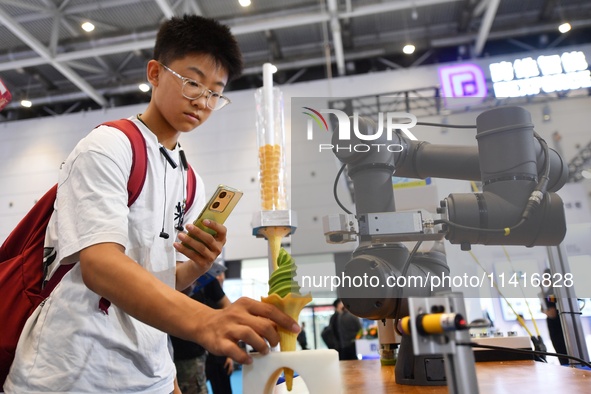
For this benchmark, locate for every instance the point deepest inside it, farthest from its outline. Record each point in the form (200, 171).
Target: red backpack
(21, 255)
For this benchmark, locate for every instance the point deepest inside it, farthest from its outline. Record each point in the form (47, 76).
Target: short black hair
(189, 34)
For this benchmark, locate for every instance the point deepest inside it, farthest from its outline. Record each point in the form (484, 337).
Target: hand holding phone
(217, 209)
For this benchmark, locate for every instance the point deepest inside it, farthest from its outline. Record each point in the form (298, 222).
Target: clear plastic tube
(271, 146)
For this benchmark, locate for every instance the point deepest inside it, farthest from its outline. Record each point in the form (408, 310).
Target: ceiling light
(144, 87)
(244, 3)
(408, 49)
(87, 26)
(26, 103)
(565, 27)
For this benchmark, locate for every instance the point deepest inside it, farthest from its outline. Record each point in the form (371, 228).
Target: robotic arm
(518, 206)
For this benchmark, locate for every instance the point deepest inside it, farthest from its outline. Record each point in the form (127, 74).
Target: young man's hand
(246, 320)
(202, 253)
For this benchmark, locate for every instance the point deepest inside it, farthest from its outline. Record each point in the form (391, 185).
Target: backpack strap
(139, 161)
(191, 186)
(139, 164)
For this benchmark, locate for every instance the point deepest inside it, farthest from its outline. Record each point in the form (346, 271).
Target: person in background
(330, 332)
(348, 325)
(137, 258)
(302, 339)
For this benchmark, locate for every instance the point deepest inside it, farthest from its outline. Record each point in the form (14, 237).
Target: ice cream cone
(274, 235)
(292, 305)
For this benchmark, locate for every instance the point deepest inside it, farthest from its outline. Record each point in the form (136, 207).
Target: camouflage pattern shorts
(191, 375)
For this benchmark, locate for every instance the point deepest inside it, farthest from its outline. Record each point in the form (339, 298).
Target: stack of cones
(291, 305)
(272, 193)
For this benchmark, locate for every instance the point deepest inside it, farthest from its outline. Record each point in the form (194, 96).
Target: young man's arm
(110, 273)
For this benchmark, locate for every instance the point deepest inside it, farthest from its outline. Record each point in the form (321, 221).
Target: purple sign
(462, 80)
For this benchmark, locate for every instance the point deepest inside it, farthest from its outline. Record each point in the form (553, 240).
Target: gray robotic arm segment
(371, 171)
(514, 207)
(491, 211)
(421, 160)
(386, 298)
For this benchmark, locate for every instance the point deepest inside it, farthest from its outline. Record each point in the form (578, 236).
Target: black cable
(485, 230)
(410, 256)
(403, 273)
(451, 126)
(525, 351)
(164, 234)
(418, 124)
(546, 154)
(334, 189)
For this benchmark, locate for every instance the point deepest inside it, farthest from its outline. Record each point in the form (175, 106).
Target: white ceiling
(46, 57)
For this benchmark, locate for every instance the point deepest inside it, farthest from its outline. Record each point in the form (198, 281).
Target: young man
(125, 256)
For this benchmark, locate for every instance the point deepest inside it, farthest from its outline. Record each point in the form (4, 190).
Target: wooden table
(495, 377)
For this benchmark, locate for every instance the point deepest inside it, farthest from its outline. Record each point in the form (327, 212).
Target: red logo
(5, 96)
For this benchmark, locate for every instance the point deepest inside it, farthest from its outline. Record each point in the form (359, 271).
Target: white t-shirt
(69, 344)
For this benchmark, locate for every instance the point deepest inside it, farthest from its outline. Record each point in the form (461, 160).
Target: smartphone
(218, 208)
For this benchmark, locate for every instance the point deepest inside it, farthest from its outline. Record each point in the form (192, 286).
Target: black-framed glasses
(192, 90)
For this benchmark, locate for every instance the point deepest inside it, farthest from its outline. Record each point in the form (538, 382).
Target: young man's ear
(153, 72)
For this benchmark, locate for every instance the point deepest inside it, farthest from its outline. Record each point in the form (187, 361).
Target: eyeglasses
(192, 90)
